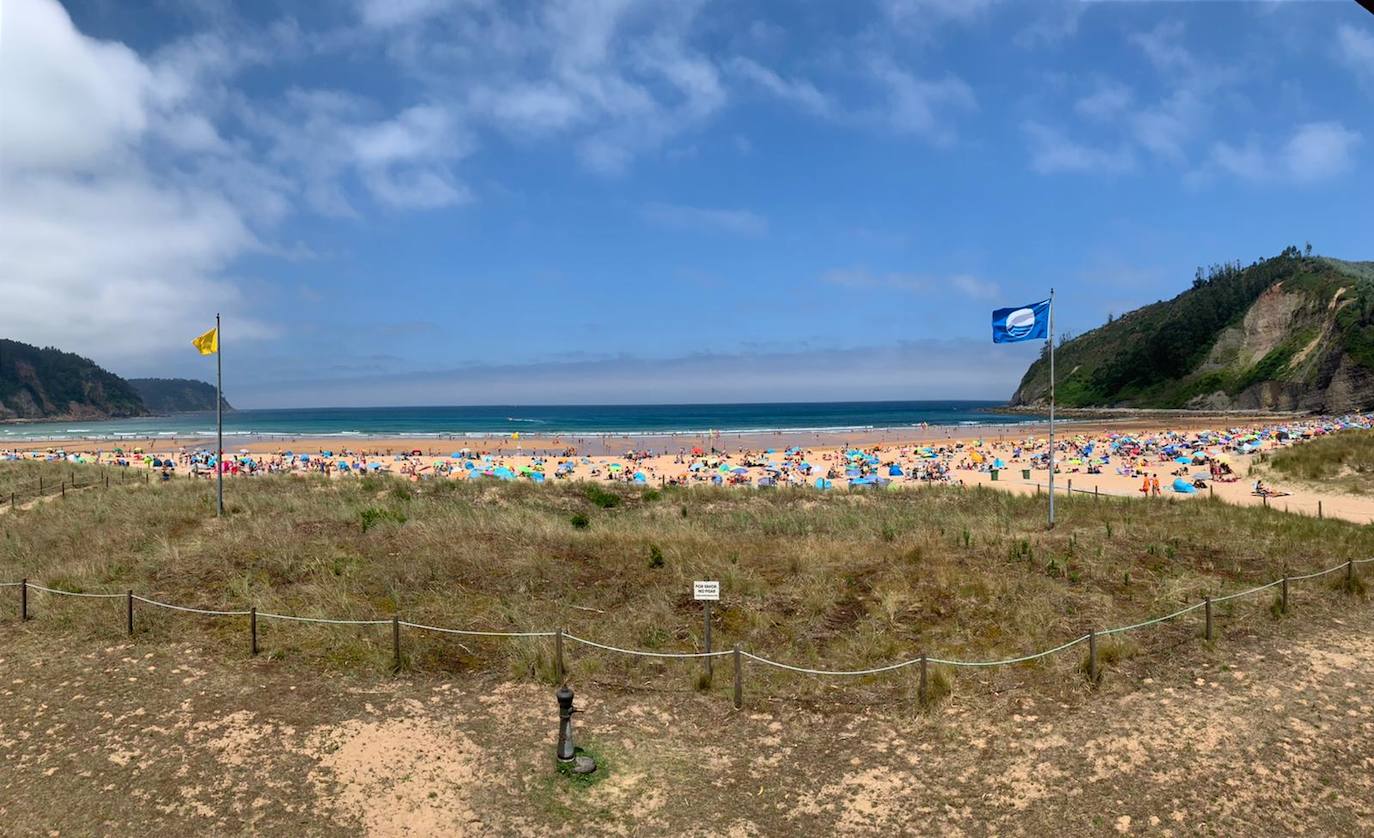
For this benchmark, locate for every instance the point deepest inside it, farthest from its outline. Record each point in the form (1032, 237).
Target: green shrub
(601, 497)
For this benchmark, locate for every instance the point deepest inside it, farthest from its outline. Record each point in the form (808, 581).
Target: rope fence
(84, 476)
(737, 653)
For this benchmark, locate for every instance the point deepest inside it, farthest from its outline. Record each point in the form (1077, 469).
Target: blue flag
(1031, 322)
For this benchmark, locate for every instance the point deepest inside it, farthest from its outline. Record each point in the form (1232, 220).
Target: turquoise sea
(532, 420)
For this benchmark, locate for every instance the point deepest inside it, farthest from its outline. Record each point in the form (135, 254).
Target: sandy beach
(1101, 457)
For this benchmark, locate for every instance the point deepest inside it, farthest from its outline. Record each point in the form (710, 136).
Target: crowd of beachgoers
(1188, 460)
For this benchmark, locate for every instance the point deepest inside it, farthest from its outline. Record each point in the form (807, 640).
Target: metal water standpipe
(565, 729)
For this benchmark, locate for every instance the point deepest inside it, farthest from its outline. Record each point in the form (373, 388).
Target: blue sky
(470, 201)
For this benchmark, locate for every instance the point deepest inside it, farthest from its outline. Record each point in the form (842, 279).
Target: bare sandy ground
(1269, 732)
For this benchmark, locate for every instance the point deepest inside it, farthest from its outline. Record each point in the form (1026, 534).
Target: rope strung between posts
(468, 633)
(854, 672)
(263, 615)
(638, 653)
(1010, 661)
(1318, 573)
(693, 655)
(73, 593)
(1273, 584)
(1180, 612)
(204, 611)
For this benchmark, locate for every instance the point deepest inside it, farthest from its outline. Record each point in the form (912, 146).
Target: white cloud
(69, 102)
(98, 253)
(1057, 22)
(978, 289)
(1163, 46)
(1052, 152)
(1108, 100)
(925, 12)
(1316, 151)
(393, 13)
(677, 217)
(921, 106)
(862, 278)
(132, 185)
(798, 92)
(1357, 50)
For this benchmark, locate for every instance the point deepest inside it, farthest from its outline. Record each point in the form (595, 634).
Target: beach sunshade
(1183, 487)
(739, 471)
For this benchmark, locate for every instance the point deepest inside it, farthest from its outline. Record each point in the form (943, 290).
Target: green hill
(51, 384)
(176, 395)
(1294, 332)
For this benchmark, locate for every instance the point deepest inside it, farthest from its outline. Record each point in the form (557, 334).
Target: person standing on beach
(1154, 485)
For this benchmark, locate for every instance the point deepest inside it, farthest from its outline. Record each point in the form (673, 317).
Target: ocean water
(531, 420)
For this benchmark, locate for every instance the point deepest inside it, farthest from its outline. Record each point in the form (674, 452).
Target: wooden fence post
(1207, 611)
(23, 599)
(1092, 658)
(129, 610)
(396, 641)
(922, 694)
(1283, 595)
(739, 679)
(1265, 498)
(1349, 574)
(1319, 510)
(559, 673)
(253, 630)
(64, 488)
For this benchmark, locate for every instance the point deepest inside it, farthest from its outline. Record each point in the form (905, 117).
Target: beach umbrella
(640, 478)
(537, 477)
(1184, 461)
(822, 483)
(739, 471)
(1183, 487)
(894, 470)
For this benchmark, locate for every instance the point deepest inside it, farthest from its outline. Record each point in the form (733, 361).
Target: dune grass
(832, 580)
(26, 479)
(1343, 461)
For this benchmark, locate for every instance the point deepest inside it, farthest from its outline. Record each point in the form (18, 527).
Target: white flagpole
(219, 419)
(1051, 339)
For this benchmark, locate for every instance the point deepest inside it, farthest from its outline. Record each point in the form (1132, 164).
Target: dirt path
(1267, 733)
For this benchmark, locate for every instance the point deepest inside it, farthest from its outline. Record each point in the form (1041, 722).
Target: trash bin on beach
(995, 472)
(1025, 474)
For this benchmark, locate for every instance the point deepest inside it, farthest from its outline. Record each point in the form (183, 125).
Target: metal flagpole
(1051, 339)
(219, 420)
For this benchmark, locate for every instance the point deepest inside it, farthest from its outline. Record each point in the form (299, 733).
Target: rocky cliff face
(1291, 333)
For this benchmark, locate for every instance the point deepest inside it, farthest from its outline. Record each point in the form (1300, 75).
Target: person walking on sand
(1154, 485)
(1145, 486)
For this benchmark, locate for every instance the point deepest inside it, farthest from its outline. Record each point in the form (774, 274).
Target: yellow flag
(208, 343)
